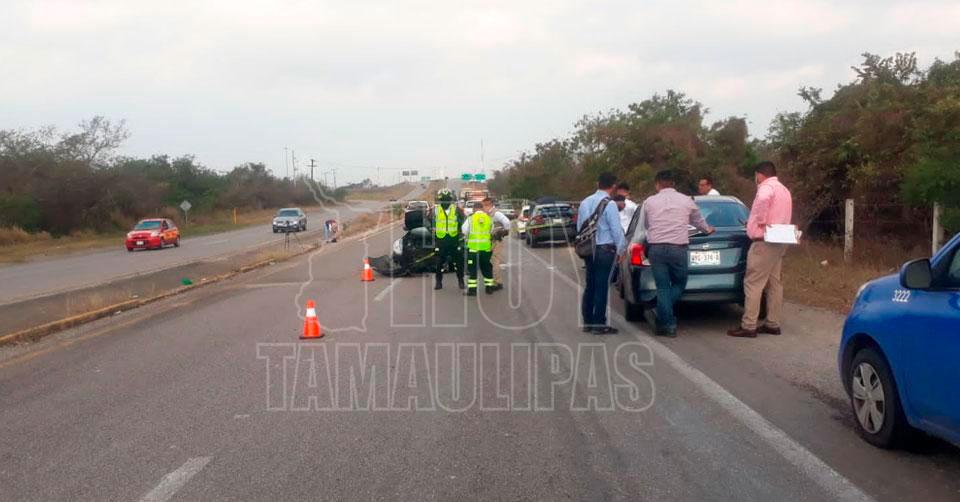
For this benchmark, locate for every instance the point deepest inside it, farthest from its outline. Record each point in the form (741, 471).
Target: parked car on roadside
(417, 205)
(522, 219)
(507, 209)
(899, 356)
(717, 261)
(551, 222)
(153, 233)
(290, 219)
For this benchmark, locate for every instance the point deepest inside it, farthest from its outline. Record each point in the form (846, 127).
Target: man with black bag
(600, 242)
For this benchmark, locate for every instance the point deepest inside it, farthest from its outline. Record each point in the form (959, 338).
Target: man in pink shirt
(772, 205)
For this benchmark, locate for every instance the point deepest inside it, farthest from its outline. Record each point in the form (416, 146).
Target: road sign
(186, 205)
(414, 173)
(479, 176)
(405, 173)
(466, 176)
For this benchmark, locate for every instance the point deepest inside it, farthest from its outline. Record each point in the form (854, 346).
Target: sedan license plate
(558, 221)
(139, 243)
(704, 258)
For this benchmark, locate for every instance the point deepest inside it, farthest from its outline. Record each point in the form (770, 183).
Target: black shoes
(767, 330)
(460, 283)
(470, 292)
(438, 285)
(605, 330)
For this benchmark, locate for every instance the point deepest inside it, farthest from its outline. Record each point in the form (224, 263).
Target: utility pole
(286, 163)
(313, 163)
(294, 157)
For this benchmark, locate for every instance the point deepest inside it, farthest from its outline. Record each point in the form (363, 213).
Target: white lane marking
(793, 452)
(174, 481)
(386, 290)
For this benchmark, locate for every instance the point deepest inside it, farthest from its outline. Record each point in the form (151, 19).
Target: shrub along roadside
(63, 183)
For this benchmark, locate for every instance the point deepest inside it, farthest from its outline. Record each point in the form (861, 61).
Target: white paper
(781, 234)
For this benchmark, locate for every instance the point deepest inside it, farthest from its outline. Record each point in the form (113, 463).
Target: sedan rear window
(556, 211)
(289, 212)
(147, 225)
(724, 214)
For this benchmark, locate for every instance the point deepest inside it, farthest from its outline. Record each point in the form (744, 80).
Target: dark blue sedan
(900, 353)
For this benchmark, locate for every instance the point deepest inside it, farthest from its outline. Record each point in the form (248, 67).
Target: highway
(209, 396)
(49, 275)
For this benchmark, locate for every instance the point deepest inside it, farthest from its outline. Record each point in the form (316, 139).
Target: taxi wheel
(176, 243)
(163, 243)
(876, 405)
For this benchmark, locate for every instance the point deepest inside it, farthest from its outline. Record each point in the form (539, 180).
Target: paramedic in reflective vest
(447, 218)
(477, 230)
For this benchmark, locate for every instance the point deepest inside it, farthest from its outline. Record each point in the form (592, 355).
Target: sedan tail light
(636, 255)
(538, 220)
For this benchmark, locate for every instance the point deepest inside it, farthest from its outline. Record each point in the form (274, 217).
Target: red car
(153, 233)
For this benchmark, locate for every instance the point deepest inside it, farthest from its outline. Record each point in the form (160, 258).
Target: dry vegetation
(369, 221)
(814, 272)
(382, 193)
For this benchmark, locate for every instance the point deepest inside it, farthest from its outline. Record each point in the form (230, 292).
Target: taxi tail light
(636, 255)
(538, 220)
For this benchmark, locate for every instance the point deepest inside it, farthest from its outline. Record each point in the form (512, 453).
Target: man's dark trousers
(478, 263)
(448, 250)
(593, 307)
(669, 264)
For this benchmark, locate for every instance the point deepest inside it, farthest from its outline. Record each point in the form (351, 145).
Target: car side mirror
(916, 274)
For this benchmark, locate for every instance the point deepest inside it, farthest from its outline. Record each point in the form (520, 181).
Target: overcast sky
(417, 83)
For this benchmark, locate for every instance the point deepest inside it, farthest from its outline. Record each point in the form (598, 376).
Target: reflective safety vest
(446, 221)
(480, 225)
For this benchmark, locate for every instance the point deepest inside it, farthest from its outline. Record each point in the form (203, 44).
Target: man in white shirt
(479, 260)
(705, 186)
(629, 206)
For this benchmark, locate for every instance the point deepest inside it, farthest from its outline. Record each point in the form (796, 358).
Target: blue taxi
(899, 357)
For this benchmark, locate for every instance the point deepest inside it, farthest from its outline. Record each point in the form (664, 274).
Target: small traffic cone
(367, 274)
(311, 326)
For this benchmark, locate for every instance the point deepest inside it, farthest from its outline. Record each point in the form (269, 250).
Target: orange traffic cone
(311, 326)
(367, 274)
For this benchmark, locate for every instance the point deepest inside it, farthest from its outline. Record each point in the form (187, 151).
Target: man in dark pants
(610, 243)
(667, 216)
(478, 229)
(447, 219)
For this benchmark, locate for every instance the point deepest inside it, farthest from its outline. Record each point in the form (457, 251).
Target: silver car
(290, 219)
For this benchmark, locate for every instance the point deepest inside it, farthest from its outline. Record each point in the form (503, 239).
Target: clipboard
(782, 234)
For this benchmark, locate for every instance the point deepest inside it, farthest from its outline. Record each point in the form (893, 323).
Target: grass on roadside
(382, 193)
(814, 272)
(369, 221)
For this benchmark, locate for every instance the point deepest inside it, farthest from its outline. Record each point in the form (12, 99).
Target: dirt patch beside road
(814, 272)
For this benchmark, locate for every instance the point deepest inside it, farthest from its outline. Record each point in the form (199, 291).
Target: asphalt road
(50, 275)
(207, 396)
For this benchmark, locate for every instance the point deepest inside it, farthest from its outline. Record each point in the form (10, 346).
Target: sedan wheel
(875, 401)
(868, 398)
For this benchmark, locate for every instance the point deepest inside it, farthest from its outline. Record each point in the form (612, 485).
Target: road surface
(51, 275)
(207, 396)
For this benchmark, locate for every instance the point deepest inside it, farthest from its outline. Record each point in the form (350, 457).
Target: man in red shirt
(773, 205)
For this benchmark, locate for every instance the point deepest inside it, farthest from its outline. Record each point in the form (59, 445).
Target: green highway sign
(466, 176)
(479, 176)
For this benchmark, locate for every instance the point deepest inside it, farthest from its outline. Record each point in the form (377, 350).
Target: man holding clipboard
(772, 205)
